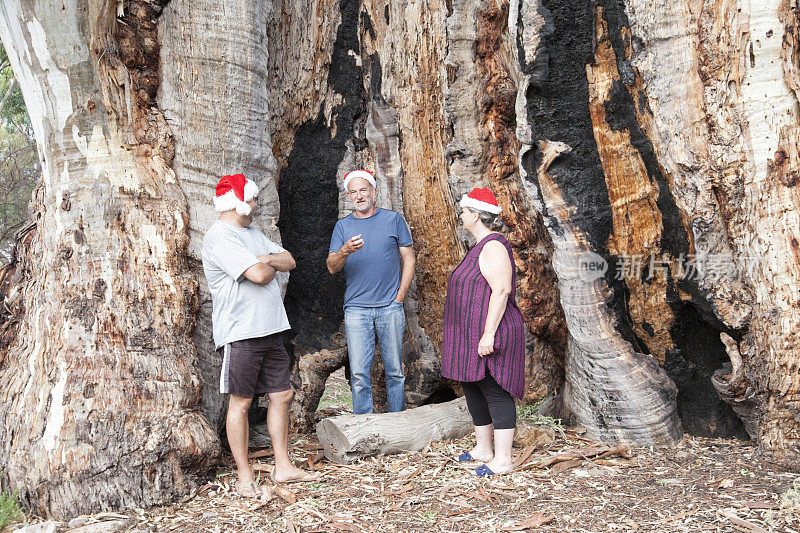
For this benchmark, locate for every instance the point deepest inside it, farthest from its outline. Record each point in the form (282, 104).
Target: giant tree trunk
(488, 85)
(730, 155)
(100, 397)
(215, 99)
(661, 132)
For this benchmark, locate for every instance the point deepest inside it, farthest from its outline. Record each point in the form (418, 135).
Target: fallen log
(346, 438)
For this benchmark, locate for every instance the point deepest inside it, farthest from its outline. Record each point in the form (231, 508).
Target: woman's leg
(504, 418)
(478, 408)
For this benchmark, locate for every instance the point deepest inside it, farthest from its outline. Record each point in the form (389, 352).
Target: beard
(364, 207)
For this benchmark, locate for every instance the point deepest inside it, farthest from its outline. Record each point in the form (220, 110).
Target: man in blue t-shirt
(374, 248)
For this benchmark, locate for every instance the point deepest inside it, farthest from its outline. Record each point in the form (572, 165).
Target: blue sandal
(484, 471)
(465, 458)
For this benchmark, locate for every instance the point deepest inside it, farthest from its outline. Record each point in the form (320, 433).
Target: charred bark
(613, 129)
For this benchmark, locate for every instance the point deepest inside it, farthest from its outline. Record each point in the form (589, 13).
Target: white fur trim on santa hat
(365, 174)
(477, 205)
(230, 201)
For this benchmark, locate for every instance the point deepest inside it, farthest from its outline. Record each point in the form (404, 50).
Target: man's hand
(260, 273)
(409, 260)
(353, 244)
(282, 262)
(336, 260)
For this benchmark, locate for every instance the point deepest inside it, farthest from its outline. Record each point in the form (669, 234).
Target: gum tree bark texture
(721, 82)
(100, 395)
(618, 392)
(405, 97)
(675, 145)
(215, 99)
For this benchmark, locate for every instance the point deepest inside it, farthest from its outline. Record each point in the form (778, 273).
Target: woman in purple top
(484, 342)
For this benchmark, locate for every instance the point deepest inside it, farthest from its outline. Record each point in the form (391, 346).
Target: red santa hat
(481, 200)
(233, 192)
(360, 173)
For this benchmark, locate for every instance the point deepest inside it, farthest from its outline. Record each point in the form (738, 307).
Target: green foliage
(10, 510)
(19, 162)
(532, 414)
(14, 114)
(790, 500)
(337, 392)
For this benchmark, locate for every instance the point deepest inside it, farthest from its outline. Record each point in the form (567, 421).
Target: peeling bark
(730, 151)
(619, 395)
(481, 100)
(101, 392)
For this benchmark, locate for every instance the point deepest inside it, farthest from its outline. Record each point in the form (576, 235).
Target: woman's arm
(496, 268)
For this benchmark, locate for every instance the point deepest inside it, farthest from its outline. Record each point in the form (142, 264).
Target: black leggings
(489, 403)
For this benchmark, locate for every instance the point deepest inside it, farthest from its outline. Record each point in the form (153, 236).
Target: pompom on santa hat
(360, 173)
(481, 200)
(233, 192)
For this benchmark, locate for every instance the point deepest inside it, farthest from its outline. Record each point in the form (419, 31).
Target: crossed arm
(264, 272)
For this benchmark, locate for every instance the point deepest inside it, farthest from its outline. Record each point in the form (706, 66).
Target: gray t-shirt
(242, 309)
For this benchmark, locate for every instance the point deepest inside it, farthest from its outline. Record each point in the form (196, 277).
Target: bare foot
(293, 475)
(480, 455)
(248, 490)
(500, 467)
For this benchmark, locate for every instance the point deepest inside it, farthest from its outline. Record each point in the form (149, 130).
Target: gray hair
(490, 220)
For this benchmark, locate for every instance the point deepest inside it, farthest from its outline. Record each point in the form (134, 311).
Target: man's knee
(239, 404)
(282, 397)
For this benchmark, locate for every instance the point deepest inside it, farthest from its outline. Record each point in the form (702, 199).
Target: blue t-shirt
(373, 272)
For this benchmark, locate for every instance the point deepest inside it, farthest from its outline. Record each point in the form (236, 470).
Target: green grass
(10, 510)
(530, 413)
(790, 500)
(337, 392)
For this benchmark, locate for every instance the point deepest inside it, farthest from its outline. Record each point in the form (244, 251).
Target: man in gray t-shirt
(248, 317)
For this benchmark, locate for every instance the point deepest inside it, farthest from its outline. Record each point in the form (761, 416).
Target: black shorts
(254, 366)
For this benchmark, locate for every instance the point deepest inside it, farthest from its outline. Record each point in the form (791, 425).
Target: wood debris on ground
(571, 484)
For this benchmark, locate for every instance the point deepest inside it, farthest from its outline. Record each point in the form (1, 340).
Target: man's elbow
(330, 262)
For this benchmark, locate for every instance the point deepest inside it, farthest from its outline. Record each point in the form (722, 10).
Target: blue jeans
(361, 325)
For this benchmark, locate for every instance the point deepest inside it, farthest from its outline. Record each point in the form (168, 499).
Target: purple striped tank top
(465, 311)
